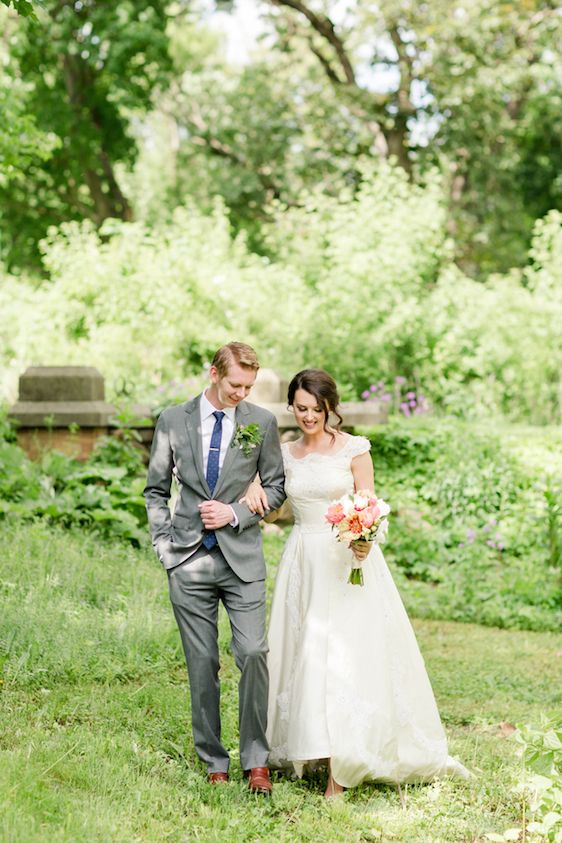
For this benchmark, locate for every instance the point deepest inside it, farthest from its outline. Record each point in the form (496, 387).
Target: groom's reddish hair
(235, 352)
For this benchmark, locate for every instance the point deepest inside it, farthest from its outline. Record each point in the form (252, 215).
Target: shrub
(362, 284)
(541, 784)
(103, 493)
(471, 532)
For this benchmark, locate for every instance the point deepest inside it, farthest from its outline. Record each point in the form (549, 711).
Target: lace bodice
(315, 480)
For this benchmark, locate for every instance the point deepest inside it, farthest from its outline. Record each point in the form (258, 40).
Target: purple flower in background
(376, 392)
(405, 409)
(408, 403)
(495, 543)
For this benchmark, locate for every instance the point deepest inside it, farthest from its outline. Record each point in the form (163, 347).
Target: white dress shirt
(207, 426)
(208, 420)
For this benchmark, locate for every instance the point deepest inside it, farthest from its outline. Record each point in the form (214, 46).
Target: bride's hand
(360, 549)
(256, 499)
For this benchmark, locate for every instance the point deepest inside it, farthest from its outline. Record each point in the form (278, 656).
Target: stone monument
(61, 408)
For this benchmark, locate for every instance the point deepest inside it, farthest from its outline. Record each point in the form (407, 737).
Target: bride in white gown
(348, 684)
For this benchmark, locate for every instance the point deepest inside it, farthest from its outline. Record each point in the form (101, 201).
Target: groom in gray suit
(211, 548)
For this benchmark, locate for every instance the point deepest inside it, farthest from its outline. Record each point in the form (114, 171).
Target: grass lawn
(95, 739)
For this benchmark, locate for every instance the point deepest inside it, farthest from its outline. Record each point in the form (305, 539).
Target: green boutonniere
(247, 437)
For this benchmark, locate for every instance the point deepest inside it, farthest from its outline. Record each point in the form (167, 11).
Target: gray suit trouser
(196, 586)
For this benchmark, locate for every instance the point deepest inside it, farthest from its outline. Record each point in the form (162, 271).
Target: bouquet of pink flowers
(361, 516)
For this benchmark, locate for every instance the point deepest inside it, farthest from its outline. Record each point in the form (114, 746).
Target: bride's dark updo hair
(319, 383)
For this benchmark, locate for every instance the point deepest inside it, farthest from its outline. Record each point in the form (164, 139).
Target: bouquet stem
(356, 576)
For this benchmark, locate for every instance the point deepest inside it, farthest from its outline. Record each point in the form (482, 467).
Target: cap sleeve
(358, 445)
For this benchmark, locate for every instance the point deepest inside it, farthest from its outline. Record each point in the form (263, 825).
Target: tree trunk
(106, 195)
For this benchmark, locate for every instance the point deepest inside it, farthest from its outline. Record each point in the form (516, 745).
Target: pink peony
(335, 513)
(367, 517)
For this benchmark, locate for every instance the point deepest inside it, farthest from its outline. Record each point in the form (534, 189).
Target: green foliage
(23, 7)
(79, 578)
(368, 273)
(492, 71)
(84, 69)
(541, 784)
(176, 391)
(475, 348)
(553, 506)
(475, 529)
(472, 531)
(103, 494)
(209, 137)
(542, 748)
(147, 305)
(472, 89)
(22, 143)
(94, 715)
(292, 173)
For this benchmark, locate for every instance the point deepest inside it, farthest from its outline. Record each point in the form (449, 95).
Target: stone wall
(64, 408)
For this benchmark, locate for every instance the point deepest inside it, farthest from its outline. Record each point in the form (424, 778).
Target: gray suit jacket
(177, 450)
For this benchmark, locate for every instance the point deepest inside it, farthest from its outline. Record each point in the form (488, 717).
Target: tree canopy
(394, 167)
(87, 69)
(472, 88)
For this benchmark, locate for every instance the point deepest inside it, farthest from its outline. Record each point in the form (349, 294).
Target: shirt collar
(207, 409)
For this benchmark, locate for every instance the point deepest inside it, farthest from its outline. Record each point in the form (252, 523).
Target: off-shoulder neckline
(349, 438)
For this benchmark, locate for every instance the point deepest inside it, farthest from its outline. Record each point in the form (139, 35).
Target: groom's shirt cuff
(234, 522)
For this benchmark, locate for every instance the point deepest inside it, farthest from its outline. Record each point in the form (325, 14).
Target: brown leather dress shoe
(259, 781)
(217, 778)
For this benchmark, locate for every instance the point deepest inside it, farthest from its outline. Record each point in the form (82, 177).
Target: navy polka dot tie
(210, 540)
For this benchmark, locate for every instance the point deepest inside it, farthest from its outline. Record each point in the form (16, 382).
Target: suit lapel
(242, 412)
(193, 426)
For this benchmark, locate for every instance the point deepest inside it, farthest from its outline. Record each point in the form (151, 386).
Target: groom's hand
(215, 514)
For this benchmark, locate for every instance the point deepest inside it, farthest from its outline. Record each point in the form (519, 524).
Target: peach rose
(355, 524)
